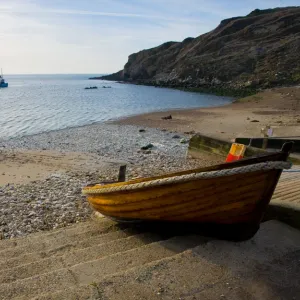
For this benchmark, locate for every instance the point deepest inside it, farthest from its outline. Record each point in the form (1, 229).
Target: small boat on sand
(235, 193)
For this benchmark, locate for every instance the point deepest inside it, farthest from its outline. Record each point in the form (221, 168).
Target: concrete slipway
(101, 260)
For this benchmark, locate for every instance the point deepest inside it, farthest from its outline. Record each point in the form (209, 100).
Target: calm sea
(38, 103)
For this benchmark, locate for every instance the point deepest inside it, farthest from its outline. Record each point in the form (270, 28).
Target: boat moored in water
(3, 84)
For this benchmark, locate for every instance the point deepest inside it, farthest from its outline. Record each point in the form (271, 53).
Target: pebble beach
(54, 200)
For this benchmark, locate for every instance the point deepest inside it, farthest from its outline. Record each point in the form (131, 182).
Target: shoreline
(110, 121)
(99, 123)
(166, 111)
(279, 108)
(212, 90)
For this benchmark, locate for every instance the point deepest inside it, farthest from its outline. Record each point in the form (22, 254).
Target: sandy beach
(279, 108)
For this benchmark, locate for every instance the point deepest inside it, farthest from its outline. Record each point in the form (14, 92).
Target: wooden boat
(230, 193)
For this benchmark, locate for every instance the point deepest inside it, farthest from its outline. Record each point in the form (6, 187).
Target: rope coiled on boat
(264, 166)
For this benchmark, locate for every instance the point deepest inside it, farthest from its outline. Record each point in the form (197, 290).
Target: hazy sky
(96, 36)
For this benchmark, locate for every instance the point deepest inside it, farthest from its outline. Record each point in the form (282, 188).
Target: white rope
(264, 166)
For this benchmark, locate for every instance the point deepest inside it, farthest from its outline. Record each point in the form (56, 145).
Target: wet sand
(279, 108)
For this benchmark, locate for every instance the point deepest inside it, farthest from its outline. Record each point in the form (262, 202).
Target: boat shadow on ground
(231, 232)
(286, 213)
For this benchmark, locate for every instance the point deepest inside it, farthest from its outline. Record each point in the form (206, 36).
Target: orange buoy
(236, 152)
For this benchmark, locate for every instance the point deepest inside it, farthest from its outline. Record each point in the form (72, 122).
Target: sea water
(38, 103)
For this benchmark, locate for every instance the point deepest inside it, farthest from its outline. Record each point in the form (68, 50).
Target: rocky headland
(242, 55)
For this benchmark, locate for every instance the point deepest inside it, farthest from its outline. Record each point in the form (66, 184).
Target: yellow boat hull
(234, 199)
(220, 200)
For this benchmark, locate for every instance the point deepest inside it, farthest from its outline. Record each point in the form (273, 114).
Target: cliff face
(261, 49)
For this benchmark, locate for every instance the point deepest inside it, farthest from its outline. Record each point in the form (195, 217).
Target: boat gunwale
(278, 156)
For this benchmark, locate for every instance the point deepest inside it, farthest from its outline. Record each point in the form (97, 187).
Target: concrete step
(260, 268)
(175, 277)
(14, 257)
(89, 228)
(75, 257)
(89, 272)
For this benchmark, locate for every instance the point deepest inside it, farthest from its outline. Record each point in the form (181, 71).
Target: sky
(96, 36)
